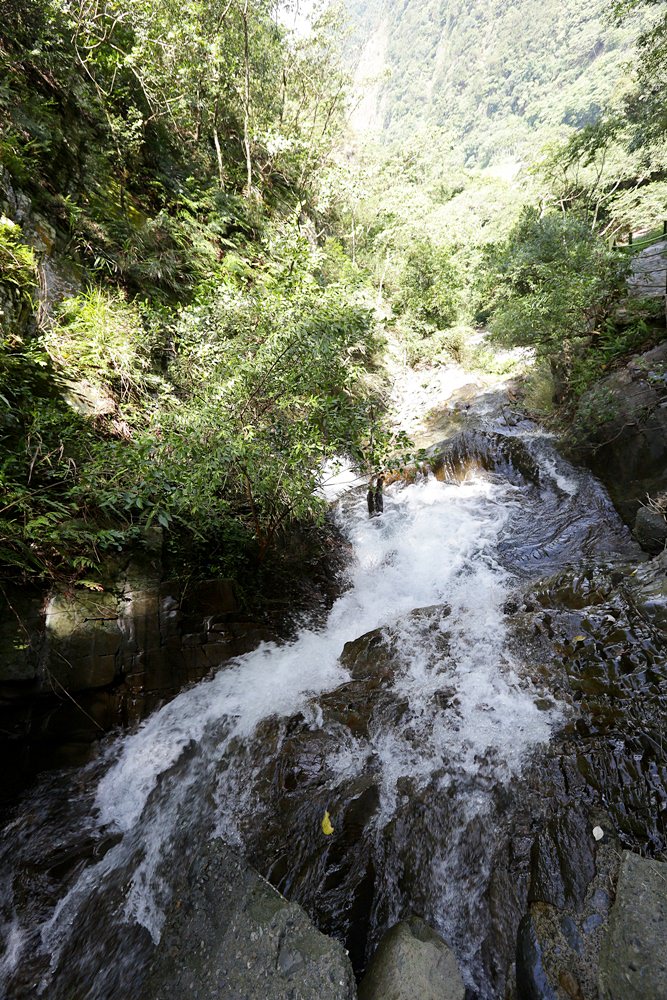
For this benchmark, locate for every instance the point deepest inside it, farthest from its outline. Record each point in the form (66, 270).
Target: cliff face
(76, 663)
(620, 430)
(493, 75)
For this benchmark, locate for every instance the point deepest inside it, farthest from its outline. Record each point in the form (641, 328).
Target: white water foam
(568, 484)
(336, 478)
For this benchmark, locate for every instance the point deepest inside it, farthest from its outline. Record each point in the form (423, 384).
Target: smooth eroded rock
(230, 936)
(412, 961)
(650, 529)
(633, 959)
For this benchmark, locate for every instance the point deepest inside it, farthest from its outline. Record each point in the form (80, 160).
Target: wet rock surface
(633, 962)
(558, 944)
(412, 960)
(590, 648)
(77, 663)
(607, 771)
(398, 748)
(620, 430)
(230, 936)
(648, 588)
(650, 530)
(607, 659)
(335, 878)
(495, 452)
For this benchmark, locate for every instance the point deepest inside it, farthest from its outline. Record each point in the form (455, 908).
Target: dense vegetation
(499, 77)
(183, 341)
(523, 202)
(192, 276)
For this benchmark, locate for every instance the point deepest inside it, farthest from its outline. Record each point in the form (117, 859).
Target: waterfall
(450, 726)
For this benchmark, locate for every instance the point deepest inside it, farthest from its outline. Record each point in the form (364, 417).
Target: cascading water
(413, 741)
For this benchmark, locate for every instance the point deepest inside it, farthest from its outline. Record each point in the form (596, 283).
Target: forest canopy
(200, 261)
(182, 336)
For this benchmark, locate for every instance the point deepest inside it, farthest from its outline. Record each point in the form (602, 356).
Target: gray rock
(633, 958)
(411, 962)
(649, 590)
(562, 862)
(650, 530)
(377, 654)
(230, 936)
(620, 429)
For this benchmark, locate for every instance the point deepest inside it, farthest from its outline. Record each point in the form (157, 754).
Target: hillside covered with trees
(510, 151)
(183, 340)
(189, 264)
(497, 77)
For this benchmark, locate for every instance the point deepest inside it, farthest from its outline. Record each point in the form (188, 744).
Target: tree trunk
(216, 142)
(246, 101)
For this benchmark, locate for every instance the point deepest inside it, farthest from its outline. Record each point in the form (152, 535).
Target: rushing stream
(418, 741)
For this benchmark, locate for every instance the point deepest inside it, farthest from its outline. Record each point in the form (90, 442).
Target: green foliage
(42, 530)
(99, 336)
(539, 390)
(428, 284)
(17, 260)
(218, 352)
(486, 69)
(394, 196)
(646, 103)
(613, 170)
(182, 153)
(271, 382)
(268, 378)
(553, 286)
(160, 135)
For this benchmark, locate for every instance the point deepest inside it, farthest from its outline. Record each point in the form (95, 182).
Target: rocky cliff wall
(620, 430)
(76, 663)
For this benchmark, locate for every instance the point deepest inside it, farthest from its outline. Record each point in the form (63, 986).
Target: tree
(553, 286)
(646, 105)
(428, 284)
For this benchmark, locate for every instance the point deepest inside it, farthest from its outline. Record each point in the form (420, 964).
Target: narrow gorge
(333, 500)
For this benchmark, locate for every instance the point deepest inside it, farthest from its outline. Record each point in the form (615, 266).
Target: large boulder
(620, 430)
(633, 958)
(412, 961)
(230, 936)
(649, 590)
(650, 529)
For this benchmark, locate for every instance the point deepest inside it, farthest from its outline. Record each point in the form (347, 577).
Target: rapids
(421, 767)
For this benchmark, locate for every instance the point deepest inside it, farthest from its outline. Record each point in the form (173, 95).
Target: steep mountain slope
(497, 74)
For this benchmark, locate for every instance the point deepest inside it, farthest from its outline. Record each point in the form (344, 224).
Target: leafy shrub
(553, 285)
(17, 262)
(99, 336)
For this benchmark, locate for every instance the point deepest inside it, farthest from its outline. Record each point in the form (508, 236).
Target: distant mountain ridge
(495, 74)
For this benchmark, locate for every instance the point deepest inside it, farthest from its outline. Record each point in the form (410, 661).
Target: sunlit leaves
(553, 285)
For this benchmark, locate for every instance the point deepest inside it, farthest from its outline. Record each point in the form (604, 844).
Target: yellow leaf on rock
(579, 638)
(327, 828)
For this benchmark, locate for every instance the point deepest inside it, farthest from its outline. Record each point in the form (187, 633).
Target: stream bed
(485, 677)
